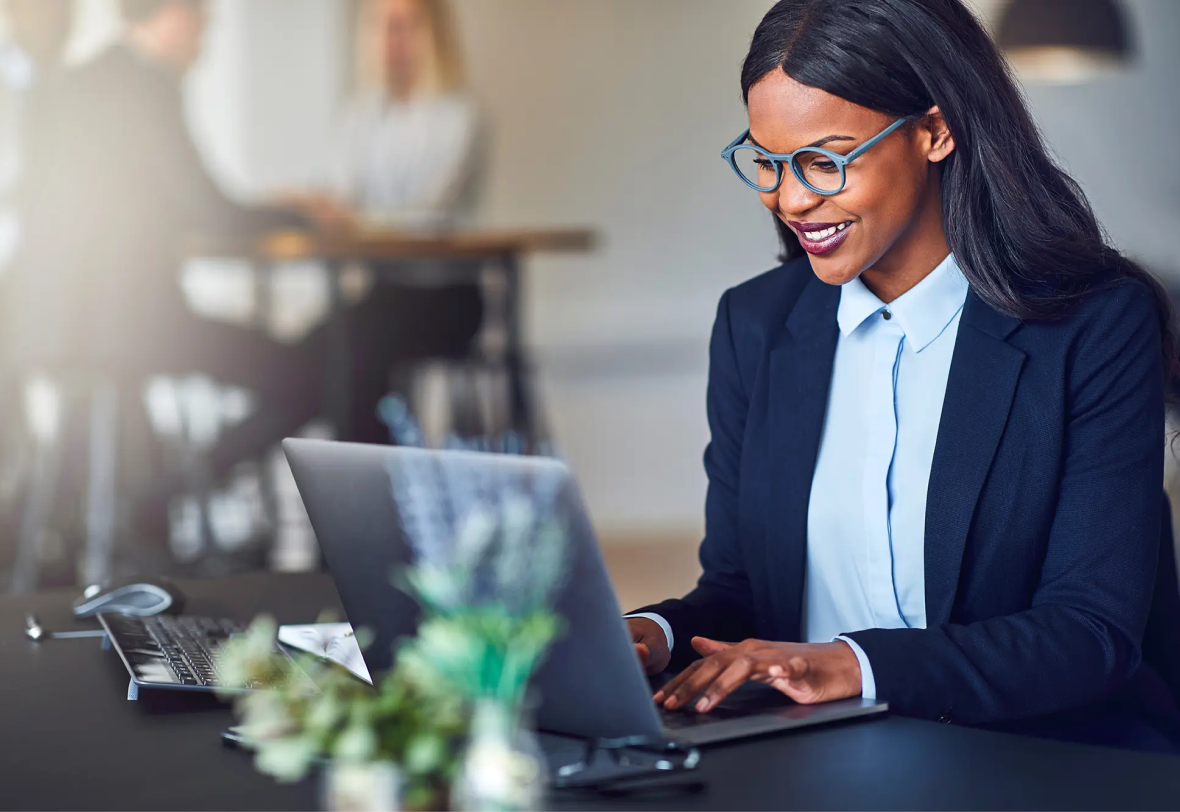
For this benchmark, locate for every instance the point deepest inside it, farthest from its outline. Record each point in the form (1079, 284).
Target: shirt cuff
(868, 685)
(663, 624)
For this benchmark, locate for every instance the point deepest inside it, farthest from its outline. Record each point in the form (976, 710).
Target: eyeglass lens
(820, 171)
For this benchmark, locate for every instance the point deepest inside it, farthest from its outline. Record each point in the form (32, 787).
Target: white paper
(332, 641)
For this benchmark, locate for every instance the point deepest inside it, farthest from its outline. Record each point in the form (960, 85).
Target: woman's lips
(822, 246)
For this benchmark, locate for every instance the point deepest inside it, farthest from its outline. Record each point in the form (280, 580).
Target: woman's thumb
(705, 646)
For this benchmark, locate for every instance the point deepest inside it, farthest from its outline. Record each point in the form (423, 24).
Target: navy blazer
(1042, 514)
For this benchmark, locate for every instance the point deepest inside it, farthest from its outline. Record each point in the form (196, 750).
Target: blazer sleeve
(1080, 639)
(721, 606)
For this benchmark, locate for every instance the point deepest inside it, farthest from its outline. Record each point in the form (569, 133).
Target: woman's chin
(834, 272)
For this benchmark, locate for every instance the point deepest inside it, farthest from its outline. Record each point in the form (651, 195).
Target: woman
(404, 150)
(935, 472)
(404, 156)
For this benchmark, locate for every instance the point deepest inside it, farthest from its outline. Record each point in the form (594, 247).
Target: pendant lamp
(1065, 41)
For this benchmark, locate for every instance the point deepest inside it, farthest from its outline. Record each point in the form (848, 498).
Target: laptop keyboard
(180, 651)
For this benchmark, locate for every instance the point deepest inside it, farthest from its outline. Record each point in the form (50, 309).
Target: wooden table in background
(499, 251)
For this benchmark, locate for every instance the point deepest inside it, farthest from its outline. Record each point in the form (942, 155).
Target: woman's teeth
(815, 236)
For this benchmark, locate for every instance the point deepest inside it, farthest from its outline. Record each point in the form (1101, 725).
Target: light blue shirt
(866, 518)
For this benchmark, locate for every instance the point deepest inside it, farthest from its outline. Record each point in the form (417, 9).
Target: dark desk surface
(70, 740)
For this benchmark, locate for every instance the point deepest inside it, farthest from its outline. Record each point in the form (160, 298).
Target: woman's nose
(793, 198)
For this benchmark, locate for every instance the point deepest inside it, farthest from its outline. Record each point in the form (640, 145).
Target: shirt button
(885, 314)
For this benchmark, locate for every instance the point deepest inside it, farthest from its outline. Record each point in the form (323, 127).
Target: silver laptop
(591, 684)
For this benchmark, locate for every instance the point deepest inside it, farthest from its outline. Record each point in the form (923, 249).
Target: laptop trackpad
(756, 709)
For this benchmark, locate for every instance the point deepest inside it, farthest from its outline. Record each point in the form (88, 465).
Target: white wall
(296, 55)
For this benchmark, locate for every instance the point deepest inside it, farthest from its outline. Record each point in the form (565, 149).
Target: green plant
(309, 710)
(488, 564)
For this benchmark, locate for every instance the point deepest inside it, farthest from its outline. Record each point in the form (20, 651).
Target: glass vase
(373, 786)
(503, 767)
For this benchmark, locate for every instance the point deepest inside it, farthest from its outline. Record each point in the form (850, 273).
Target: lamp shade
(1065, 40)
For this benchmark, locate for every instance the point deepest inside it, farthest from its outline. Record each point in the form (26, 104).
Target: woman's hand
(651, 645)
(806, 672)
(324, 211)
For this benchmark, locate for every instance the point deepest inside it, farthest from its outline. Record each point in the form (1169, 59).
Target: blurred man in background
(118, 188)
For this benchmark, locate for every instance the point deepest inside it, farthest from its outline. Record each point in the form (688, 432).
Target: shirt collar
(922, 312)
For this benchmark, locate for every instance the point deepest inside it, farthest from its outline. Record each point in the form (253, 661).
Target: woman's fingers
(693, 683)
(802, 672)
(705, 647)
(796, 668)
(726, 683)
(676, 682)
(796, 678)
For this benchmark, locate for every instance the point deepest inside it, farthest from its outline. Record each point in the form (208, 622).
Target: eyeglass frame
(778, 159)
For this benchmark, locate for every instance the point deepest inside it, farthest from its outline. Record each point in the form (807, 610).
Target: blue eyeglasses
(820, 170)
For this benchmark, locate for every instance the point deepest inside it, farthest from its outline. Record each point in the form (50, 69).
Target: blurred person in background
(404, 147)
(404, 155)
(117, 188)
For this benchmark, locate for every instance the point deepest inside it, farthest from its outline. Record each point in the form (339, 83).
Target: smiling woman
(935, 474)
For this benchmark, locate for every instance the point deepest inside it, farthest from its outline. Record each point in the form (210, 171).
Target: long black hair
(1020, 227)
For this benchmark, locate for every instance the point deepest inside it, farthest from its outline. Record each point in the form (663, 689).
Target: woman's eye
(824, 166)
(764, 165)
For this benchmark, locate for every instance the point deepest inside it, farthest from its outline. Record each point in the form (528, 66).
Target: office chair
(84, 471)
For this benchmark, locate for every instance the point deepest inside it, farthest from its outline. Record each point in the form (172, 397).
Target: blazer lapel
(979, 391)
(800, 376)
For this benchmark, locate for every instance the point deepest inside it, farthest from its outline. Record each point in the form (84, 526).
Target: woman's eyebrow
(817, 143)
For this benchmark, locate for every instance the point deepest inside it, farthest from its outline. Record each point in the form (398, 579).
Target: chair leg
(466, 419)
(43, 486)
(194, 470)
(101, 488)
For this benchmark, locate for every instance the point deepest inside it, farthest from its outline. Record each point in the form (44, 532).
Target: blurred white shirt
(408, 162)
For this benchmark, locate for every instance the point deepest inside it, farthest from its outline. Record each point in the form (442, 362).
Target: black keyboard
(171, 651)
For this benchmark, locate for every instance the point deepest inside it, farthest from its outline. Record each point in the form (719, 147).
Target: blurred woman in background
(403, 156)
(404, 147)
